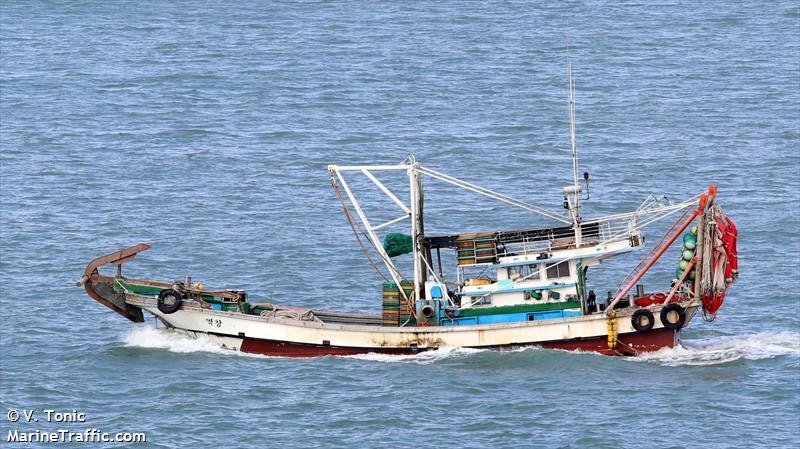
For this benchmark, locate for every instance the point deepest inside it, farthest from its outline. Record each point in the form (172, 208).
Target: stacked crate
(396, 310)
(476, 248)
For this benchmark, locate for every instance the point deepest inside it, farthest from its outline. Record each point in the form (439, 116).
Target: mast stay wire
(356, 230)
(492, 194)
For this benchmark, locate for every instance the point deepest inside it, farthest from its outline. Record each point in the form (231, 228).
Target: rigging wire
(652, 251)
(620, 235)
(491, 194)
(350, 220)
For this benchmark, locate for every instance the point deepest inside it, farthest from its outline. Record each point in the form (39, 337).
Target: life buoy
(642, 320)
(169, 301)
(673, 316)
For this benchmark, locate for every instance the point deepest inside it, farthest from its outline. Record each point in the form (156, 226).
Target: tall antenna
(571, 87)
(574, 203)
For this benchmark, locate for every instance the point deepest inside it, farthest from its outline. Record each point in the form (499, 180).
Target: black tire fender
(642, 320)
(169, 300)
(668, 316)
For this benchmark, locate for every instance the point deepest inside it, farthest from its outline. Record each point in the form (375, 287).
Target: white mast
(416, 228)
(574, 205)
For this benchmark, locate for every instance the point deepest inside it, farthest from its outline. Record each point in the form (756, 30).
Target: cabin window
(559, 270)
(524, 272)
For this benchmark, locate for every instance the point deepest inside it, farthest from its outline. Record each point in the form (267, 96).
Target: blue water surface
(205, 129)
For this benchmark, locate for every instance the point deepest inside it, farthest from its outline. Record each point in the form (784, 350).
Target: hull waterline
(627, 345)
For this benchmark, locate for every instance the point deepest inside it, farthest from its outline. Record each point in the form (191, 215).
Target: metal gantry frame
(338, 171)
(649, 212)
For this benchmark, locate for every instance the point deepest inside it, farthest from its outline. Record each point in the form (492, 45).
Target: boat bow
(101, 288)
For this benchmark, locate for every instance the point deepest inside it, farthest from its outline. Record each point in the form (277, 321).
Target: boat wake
(719, 350)
(160, 338)
(700, 352)
(423, 358)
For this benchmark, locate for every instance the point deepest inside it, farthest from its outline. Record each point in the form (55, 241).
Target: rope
(349, 217)
(436, 278)
(633, 350)
(299, 315)
(411, 307)
(119, 284)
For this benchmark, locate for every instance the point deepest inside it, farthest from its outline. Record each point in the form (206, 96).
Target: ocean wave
(726, 349)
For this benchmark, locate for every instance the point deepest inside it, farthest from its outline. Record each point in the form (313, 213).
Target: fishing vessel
(498, 289)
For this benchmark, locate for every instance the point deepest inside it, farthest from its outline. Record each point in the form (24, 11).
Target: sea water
(205, 129)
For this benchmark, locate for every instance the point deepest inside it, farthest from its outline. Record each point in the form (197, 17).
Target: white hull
(234, 329)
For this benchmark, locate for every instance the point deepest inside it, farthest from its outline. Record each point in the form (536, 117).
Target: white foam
(180, 342)
(173, 341)
(725, 349)
(422, 358)
(700, 352)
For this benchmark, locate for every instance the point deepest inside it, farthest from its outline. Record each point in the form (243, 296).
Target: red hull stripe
(627, 344)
